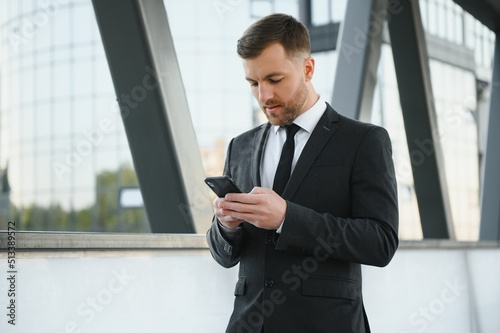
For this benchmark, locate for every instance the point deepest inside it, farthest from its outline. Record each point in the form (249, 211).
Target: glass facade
(63, 142)
(61, 136)
(455, 93)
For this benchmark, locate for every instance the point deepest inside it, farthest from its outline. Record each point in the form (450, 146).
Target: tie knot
(291, 130)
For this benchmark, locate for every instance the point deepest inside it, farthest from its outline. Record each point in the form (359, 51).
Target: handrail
(42, 240)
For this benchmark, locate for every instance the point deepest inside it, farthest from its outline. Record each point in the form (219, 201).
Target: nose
(265, 92)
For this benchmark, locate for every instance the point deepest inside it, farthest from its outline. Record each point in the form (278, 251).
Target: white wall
(435, 291)
(186, 291)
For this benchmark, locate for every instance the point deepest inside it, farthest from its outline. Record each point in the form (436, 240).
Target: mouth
(272, 108)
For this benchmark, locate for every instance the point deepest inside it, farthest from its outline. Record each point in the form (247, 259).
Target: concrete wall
(183, 290)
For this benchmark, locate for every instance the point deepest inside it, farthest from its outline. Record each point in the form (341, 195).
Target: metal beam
(305, 12)
(490, 195)
(359, 53)
(147, 81)
(413, 75)
(323, 37)
(486, 11)
(450, 53)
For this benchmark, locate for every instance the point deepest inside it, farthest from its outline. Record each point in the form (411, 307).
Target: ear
(309, 68)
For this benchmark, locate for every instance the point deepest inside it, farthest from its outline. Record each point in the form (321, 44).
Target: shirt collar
(308, 120)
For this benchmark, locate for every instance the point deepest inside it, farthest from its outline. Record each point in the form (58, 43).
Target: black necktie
(285, 163)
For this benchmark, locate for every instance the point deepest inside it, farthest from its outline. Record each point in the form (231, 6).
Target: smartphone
(222, 185)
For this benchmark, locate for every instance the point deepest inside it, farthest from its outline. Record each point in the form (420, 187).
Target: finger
(230, 212)
(233, 207)
(250, 215)
(226, 216)
(227, 219)
(236, 197)
(232, 224)
(260, 190)
(244, 198)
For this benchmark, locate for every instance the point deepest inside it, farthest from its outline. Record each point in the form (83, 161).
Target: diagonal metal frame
(413, 76)
(147, 80)
(486, 11)
(358, 57)
(490, 195)
(323, 37)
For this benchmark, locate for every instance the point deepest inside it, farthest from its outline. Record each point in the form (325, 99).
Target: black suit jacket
(342, 212)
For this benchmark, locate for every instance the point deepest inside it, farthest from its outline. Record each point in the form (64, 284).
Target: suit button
(269, 240)
(269, 283)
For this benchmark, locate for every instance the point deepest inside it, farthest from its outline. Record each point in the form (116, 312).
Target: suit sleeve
(370, 234)
(225, 246)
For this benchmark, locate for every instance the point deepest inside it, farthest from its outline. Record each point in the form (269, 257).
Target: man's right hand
(226, 220)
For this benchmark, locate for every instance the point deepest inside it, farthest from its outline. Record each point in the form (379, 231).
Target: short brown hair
(274, 28)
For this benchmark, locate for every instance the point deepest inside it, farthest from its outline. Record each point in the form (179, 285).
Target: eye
(275, 81)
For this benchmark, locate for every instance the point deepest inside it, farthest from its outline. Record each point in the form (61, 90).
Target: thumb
(260, 190)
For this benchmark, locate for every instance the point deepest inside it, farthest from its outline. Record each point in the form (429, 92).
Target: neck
(312, 98)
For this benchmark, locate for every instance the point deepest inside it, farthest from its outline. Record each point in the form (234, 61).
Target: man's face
(278, 83)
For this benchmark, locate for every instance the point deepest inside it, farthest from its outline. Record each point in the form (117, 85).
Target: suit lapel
(258, 144)
(319, 137)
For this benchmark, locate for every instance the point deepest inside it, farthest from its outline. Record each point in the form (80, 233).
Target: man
(300, 248)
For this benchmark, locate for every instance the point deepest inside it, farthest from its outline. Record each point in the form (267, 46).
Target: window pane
(49, 100)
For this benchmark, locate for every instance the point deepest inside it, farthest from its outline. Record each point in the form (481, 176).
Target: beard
(290, 110)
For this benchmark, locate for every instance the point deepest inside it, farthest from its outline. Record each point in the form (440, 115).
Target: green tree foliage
(104, 215)
(130, 220)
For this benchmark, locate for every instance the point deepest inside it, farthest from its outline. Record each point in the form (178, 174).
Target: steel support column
(490, 196)
(323, 37)
(358, 57)
(419, 114)
(147, 81)
(486, 11)
(305, 12)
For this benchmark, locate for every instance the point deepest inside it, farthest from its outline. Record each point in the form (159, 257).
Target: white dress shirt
(276, 138)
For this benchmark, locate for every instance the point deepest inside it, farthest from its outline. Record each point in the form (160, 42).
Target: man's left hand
(262, 207)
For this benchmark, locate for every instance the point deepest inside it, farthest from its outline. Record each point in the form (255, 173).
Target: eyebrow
(266, 77)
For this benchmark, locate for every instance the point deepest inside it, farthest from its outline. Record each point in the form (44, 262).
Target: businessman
(320, 197)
